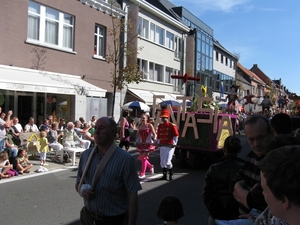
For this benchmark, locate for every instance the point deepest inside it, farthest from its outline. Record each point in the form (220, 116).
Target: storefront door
(25, 108)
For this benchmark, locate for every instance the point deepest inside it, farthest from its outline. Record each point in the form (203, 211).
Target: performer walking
(167, 137)
(144, 141)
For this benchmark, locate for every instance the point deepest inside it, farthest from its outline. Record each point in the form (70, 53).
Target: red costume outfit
(248, 98)
(166, 132)
(167, 136)
(145, 136)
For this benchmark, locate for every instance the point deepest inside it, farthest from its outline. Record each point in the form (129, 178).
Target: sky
(262, 32)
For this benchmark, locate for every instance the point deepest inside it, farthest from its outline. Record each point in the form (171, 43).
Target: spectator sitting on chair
(89, 135)
(82, 121)
(11, 147)
(45, 126)
(17, 127)
(3, 124)
(81, 133)
(93, 121)
(70, 138)
(52, 137)
(30, 126)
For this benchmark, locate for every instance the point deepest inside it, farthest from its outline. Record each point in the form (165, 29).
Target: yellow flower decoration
(204, 90)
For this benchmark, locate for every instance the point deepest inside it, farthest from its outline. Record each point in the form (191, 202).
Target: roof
(255, 69)
(165, 6)
(217, 43)
(250, 74)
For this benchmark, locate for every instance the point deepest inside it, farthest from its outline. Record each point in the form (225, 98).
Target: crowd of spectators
(52, 136)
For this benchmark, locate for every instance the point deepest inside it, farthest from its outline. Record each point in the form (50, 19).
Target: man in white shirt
(30, 126)
(16, 125)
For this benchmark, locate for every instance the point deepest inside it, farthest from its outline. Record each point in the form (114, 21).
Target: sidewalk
(52, 165)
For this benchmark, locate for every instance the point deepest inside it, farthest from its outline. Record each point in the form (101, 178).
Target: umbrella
(170, 102)
(188, 103)
(136, 105)
(222, 104)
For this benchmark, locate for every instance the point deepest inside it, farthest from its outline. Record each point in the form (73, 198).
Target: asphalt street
(50, 198)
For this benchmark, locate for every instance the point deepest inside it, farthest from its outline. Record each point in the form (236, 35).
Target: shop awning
(147, 96)
(21, 79)
(142, 95)
(174, 96)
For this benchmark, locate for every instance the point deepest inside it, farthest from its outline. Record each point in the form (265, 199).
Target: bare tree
(38, 61)
(120, 49)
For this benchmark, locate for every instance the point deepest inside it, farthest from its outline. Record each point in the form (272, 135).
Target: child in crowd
(44, 148)
(170, 210)
(23, 165)
(4, 165)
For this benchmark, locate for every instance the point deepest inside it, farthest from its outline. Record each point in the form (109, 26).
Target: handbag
(235, 222)
(12, 172)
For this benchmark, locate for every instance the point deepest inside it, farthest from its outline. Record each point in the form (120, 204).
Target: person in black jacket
(216, 191)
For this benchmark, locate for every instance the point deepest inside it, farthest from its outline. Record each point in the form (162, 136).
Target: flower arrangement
(205, 104)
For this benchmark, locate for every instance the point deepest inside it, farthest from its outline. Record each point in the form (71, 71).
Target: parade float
(202, 128)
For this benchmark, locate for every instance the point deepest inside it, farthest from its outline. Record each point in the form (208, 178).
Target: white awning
(159, 100)
(21, 79)
(147, 96)
(175, 95)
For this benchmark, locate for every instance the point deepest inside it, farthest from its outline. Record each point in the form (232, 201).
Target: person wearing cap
(167, 137)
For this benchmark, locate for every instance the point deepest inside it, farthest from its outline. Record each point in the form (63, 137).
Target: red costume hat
(165, 113)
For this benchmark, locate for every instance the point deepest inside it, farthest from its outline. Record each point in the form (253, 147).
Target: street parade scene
(139, 112)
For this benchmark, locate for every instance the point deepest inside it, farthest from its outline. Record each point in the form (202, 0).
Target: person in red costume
(167, 137)
(248, 98)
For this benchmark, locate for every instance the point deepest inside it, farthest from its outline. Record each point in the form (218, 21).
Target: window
(140, 24)
(49, 26)
(226, 61)
(99, 41)
(152, 32)
(178, 47)
(159, 35)
(168, 74)
(158, 73)
(221, 58)
(217, 56)
(170, 40)
(151, 71)
(143, 25)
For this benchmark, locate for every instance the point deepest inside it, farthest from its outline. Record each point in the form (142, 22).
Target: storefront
(37, 94)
